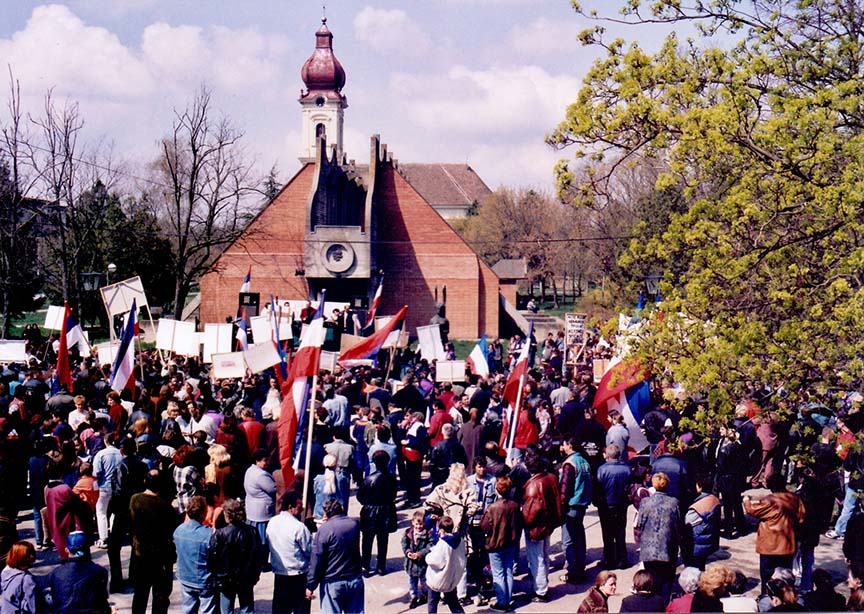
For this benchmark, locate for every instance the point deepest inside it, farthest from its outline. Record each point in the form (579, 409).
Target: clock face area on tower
(319, 102)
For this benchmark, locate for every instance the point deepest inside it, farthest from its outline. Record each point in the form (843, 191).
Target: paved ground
(390, 592)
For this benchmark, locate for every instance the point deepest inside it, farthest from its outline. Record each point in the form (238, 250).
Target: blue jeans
(501, 562)
(573, 540)
(807, 556)
(244, 597)
(37, 526)
(195, 600)
(538, 563)
(343, 596)
(416, 586)
(450, 599)
(848, 507)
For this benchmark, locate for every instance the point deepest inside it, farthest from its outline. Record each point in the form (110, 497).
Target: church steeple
(322, 101)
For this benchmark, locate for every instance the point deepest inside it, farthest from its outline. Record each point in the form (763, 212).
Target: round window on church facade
(338, 257)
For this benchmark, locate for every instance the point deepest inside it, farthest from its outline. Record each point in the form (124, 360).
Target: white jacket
(446, 563)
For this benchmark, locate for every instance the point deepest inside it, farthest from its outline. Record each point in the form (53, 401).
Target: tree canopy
(759, 121)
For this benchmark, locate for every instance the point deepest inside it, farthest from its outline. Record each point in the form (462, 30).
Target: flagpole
(514, 417)
(310, 423)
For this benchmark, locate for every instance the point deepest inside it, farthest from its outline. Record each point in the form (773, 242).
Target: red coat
(526, 432)
(66, 513)
(438, 419)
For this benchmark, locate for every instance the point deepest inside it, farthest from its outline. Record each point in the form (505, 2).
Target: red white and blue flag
(366, 350)
(124, 362)
(478, 359)
(625, 387)
(247, 282)
(295, 391)
(376, 301)
(242, 334)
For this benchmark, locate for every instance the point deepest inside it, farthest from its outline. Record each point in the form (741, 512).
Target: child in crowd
(416, 542)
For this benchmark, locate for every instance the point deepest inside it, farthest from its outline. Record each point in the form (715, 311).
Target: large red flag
(368, 348)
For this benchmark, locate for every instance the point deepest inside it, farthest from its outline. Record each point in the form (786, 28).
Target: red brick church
(339, 226)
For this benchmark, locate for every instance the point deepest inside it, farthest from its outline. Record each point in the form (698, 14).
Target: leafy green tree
(761, 126)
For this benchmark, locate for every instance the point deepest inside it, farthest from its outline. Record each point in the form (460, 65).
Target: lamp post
(90, 283)
(652, 284)
(112, 268)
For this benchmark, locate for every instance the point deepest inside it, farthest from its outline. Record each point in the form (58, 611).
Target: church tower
(322, 101)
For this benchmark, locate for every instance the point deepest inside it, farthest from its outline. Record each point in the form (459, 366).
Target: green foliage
(763, 248)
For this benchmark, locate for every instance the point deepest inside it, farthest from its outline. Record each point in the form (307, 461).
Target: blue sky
(480, 81)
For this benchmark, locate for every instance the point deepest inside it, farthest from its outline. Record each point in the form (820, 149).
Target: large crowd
(185, 469)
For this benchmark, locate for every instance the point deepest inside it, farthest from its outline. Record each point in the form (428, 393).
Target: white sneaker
(832, 534)
(101, 544)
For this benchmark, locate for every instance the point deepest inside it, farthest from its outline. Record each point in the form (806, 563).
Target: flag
(625, 387)
(75, 335)
(376, 300)
(64, 372)
(124, 362)
(242, 334)
(515, 381)
(478, 359)
(295, 391)
(366, 350)
(247, 282)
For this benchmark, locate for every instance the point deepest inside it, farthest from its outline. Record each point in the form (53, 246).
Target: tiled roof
(446, 184)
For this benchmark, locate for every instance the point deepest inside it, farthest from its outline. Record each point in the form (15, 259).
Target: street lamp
(90, 281)
(112, 268)
(652, 284)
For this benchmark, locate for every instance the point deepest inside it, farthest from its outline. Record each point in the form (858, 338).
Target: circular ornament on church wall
(338, 257)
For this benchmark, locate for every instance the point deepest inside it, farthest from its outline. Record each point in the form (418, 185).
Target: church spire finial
(324, 13)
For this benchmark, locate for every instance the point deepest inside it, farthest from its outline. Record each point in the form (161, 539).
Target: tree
(205, 194)
(765, 259)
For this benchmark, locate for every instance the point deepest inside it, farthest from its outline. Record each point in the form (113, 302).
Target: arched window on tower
(320, 130)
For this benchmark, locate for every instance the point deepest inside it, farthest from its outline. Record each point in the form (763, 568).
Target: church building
(340, 226)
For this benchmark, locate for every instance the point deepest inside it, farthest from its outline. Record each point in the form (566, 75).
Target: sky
(476, 81)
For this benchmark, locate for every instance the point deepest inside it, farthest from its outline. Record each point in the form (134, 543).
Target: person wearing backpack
(541, 511)
(702, 525)
(576, 490)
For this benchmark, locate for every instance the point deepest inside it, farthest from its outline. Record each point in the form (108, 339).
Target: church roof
(322, 72)
(446, 184)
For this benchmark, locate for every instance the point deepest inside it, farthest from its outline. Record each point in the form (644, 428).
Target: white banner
(328, 361)
(118, 297)
(431, 346)
(231, 364)
(450, 371)
(107, 352)
(261, 356)
(54, 318)
(177, 336)
(13, 351)
(217, 340)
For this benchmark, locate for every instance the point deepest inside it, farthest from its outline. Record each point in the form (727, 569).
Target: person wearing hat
(78, 585)
(326, 486)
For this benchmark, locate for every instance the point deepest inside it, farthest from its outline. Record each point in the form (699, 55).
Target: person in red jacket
(439, 418)
(527, 433)
(541, 511)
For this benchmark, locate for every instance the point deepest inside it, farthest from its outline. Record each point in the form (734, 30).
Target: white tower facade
(322, 101)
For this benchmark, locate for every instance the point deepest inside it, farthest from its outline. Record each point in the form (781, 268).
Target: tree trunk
(555, 293)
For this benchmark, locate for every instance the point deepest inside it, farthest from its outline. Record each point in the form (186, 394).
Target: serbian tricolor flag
(625, 387)
(478, 359)
(295, 391)
(366, 350)
(64, 372)
(247, 282)
(242, 335)
(373, 308)
(515, 381)
(124, 362)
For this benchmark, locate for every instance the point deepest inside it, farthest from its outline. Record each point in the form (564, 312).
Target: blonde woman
(454, 498)
(217, 471)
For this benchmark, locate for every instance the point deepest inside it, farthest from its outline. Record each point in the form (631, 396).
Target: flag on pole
(295, 391)
(247, 282)
(282, 371)
(625, 387)
(515, 382)
(64, 372)
(478, 359)
(75, 334)
(376, 301)
(366, 350)
(124, 362)
(242, 335)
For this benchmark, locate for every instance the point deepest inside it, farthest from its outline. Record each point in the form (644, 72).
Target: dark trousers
(733, 510)
(478, 559)
(613, 525)
(116, 538)
(413, 470)
(151, 574)
(450, 599)
(768, 563)
(289, 594)
(383, 537)
(664, 576)
(574, 550)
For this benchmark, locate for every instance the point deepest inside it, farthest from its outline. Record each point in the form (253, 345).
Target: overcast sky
(477, 81)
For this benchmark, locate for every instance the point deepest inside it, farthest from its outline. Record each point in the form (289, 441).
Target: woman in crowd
(597, 599)
(644, 597)
(20, 595)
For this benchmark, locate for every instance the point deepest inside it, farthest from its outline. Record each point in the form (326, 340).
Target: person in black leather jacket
(235, 559)
(378, 515)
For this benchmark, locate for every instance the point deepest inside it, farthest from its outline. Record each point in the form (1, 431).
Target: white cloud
(545, 38)
(390, 31)
(495, 102)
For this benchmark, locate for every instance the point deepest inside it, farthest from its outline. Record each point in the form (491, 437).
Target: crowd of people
(186, 471)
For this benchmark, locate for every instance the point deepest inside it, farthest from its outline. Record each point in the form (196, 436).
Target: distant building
(339, 226)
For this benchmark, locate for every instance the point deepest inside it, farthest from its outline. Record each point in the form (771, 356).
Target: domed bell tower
(322, 101)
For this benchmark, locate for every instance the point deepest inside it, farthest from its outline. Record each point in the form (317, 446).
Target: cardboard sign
(177, 336)
(231, 364)
(328, 361)
(13, 351)
(574, 328)
(54, 318)
(431, 346)
(107, 352)
(450, 371)
(261, 356)
(118, 297)
(217, 340)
